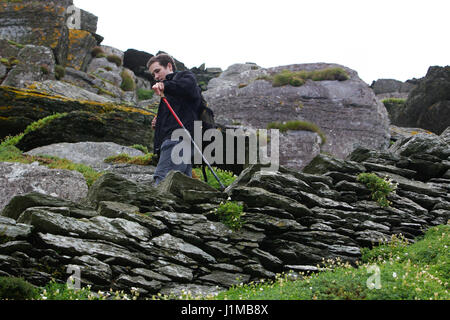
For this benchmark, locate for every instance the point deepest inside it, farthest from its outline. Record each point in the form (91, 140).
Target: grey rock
(3, 71)
(151, 275)
(324, 163)
(48, 222)
(429, 144)
(15, 230)
(176, 272)
(138, 282)
(14, 246)
(175, 182)
(168, 241)
(370, 237)
(129, 228)
(68, 90)
(17, 179)
(225, 279)
(101, 250)
(221, 250)
(112, 209)
(257, 197)
(29, 69)
(65, 207)
(311, 102)
(91, 154)
(267, 260)
(272, 224)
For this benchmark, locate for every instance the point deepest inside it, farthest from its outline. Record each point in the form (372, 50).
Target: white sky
(397, 39)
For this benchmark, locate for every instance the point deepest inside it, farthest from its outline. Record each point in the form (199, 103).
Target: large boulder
(41, 23)
(83, 121)
(428, 105)
(347, 112)
(93, 154)
(391, 88)
(81, 44)
(17, 178)
(136, 61)
(34, 63)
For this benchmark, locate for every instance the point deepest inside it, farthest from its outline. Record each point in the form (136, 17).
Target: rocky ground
(127, 234)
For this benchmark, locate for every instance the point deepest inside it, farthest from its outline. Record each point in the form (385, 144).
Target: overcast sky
(397, 39)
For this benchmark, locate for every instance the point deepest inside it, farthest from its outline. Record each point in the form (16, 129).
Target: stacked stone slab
(166, 239)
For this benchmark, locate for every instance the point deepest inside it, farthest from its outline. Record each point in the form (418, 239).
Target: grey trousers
(165, 163)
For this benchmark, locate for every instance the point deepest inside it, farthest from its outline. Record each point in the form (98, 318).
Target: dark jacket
(184, 96)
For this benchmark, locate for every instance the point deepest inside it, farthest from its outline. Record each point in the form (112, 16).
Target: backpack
(206, 116)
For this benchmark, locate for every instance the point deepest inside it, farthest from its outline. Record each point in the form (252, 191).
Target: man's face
(159, 72)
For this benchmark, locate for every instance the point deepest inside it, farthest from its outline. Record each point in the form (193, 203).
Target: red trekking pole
(222, 187)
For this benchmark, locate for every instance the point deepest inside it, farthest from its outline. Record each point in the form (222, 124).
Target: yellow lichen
(19, 94)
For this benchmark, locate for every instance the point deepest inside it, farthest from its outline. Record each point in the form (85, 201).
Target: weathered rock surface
(391, 88)
(358, 118)
(35, 63)
(17, 178)
(93, 154)
(167, 239)
(41, 23)
(85, 120)
(428, 105)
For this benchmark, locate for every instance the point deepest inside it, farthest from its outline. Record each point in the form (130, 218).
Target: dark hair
(163, 59)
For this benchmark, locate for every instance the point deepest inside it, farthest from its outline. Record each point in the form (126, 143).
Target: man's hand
(159, 88)
(154, 123)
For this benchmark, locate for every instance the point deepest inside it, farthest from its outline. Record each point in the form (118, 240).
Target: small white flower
(394, 274)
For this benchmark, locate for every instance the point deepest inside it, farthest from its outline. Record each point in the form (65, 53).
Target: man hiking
(183, 94)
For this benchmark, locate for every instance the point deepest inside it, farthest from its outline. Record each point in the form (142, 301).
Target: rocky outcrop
(34, 63)
(126, 234)
(428, 105)
(83, 120)
(18, 178)
(347, 112)
(58, 25)
(93, 154)
(391, 88)
(41, 23)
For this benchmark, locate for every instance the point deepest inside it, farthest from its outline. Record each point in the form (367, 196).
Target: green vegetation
(12, 141)
(61, 291)
(380, 187)
(144, 94)
(44, 69)
(230, 213)
(226, 177)
(18, 45)
(406, 272)
(393, 103)
(298, 125)
(12, 288)
(114, 59)
(96, 51)
(60, 72)
(144, 160)
(298, 78)
(128, 83)
(10, 153)
(9, 62)
(140, 147)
